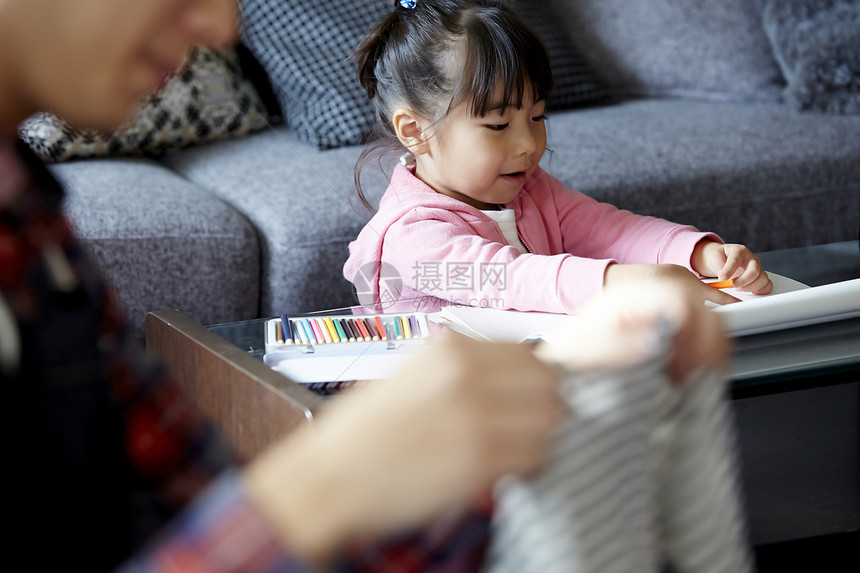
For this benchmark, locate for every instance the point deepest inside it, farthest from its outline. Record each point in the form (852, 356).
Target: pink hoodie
(442, 251)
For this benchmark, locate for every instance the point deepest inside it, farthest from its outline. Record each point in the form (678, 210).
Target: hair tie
(408, 4)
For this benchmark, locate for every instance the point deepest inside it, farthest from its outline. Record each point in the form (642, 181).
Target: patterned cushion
(817, 45)
(304, 45)
(207, 100)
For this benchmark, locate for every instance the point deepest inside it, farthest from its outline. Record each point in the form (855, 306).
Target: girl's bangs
(506, 59)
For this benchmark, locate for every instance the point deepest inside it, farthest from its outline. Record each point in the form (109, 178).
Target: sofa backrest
(713, 49)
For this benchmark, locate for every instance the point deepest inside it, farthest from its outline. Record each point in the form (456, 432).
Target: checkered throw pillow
(208, 100)
(305, 45)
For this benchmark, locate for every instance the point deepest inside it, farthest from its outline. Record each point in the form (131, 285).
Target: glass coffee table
(795, 394)
(765, 363)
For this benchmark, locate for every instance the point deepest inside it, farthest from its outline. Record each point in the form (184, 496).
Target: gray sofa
(700, 133)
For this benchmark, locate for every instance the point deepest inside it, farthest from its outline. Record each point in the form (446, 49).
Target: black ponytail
(370, 50)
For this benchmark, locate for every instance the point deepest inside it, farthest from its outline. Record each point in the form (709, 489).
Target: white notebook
(789, 305)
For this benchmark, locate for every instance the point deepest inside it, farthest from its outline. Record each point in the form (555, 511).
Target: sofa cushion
(762, 175)
(303, 204)
(305, 45)
(715, 50)
(765, 176)
(209, 99)
(817, 45)
(575, 84)
(163, 242)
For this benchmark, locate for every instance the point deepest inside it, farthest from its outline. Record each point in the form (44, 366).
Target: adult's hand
(394, 454)
(622, 325)
(618, 274)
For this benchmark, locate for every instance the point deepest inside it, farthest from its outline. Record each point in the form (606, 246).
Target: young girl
(469, 217)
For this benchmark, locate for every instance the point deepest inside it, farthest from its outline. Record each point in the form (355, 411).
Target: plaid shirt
(104, 451)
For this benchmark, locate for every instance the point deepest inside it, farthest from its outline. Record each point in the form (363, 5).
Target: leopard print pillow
(209, 99)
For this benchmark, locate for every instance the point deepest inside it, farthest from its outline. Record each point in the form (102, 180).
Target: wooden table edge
(251, 403)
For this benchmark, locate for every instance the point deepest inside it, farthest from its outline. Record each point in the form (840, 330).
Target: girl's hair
(433, 57)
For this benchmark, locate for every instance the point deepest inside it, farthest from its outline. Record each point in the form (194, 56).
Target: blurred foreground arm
(390, 457)
(393, 455)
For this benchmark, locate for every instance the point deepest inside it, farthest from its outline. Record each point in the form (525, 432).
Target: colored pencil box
(335, 348)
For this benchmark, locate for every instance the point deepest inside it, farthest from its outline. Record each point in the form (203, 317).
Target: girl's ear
(409, 128)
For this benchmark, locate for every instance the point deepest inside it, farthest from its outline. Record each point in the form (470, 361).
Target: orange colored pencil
(722, 284)
(380, 328)
(363, 329)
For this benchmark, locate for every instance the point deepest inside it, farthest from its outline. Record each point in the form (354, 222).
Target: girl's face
(90, 61)
(484, 161)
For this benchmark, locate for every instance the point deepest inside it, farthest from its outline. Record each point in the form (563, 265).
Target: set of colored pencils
(346, 328)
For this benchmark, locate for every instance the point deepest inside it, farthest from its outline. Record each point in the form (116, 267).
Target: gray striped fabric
(642, 478)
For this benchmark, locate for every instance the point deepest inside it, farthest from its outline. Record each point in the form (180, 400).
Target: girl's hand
(618, 274)
(731, 261)
(395, 454)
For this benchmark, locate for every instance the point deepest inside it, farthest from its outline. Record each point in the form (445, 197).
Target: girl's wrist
(699, 258)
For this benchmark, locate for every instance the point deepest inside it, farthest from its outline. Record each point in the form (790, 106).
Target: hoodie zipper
(522, 240)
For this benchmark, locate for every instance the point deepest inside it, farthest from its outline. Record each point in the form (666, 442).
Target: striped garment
(643, 478)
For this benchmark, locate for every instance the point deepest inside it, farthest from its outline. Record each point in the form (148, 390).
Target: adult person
(102, 449)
